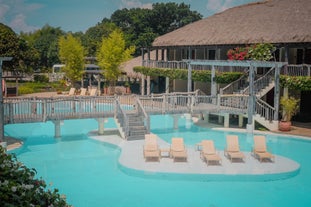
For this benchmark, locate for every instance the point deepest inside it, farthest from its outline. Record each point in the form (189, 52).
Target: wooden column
(251, 100)
(213, 82)
(189, 88)
(101, 125)
(57, 128)
(148, 85)
(276, 93)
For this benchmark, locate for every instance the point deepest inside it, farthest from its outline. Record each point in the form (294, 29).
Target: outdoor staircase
(262, 92)
(133, 124)
(262, 85)
(137, 129)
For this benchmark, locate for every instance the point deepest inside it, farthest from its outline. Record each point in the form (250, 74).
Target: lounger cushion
(151, 147)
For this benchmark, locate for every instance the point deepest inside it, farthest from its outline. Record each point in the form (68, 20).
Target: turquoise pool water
(87, 171)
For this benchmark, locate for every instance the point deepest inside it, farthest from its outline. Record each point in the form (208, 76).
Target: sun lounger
(72, 92)
(151, 148)
(178, 149)
(93, 92)
(232, 151)
(83, 92)
(208, 152)
(260, 149)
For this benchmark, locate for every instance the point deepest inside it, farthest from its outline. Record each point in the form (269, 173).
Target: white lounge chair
(232, 151)
(209, 153)
(151, 148)
(260, 149)
(178, 149)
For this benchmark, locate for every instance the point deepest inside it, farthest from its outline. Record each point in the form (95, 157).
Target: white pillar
(206, 117)
(101, 125)
(57, 128)
(226, 122)
(167, 85)
(148, 85)
(142, 90)
(213, 82)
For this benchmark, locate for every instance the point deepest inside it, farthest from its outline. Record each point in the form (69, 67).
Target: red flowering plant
(261, 52)
(238, 53)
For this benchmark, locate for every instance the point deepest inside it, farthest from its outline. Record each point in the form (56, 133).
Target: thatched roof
(273, 21)
(128, 66)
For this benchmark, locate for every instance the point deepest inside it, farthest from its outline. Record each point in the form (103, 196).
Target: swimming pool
(87, 171)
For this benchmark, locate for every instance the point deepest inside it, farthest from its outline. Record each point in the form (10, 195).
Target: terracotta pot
(285, 125)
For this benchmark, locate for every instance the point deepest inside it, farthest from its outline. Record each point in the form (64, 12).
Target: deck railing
(262, 82)
(22, 110)
(235, 86)
(297, 70)
(265, 110)
(122, 118)
(184, 65)
(141, 111)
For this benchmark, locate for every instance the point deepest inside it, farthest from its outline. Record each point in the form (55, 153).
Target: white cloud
(19, 23)
(215, 6)
(135, 4)
(14, 14)
(3, 10)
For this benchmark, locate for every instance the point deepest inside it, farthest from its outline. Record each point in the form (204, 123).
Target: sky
(79, 15)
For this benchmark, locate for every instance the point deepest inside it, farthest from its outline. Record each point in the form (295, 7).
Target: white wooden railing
(22, 110)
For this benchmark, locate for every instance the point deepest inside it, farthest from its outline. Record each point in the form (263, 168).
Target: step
(136, 137)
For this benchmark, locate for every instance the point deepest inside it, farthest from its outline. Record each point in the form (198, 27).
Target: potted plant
(127, 87)
(289, 107)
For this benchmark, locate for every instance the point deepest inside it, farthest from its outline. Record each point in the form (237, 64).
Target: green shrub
(25, 89)
(41, 78)
(19, 187)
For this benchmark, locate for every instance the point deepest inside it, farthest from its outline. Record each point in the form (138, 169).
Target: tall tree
(142, 26)
(93, 36)
(71, 53)
(24, 56)
(167, 17)
(112, 54)
(45, 41)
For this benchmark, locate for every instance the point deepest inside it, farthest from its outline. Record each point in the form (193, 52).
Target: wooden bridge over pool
(130, 111)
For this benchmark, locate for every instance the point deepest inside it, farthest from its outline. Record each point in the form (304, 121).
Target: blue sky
(79, 15)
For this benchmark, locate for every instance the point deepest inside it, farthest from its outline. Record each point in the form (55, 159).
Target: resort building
(283, 23)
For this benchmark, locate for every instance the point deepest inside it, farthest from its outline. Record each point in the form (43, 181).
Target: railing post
(163, 103)
(251, 100)
(189, 77)
(276, 92)
(218, 101)
(11, 112)
(44, 110)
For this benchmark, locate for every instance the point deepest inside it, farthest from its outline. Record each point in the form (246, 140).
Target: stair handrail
(262, 82)
(141, 111)
(265, 110)
(235, 85)
(122, 118)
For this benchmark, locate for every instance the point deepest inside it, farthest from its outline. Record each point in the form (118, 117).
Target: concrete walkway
(132, 162)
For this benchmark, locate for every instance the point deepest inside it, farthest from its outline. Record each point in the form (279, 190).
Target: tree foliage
(11, 45)
(19, 187)
(182, 74)
(93, 36)
(71, 53)
(39, 49)
(45, 41)
(112, 53)
(142, 26)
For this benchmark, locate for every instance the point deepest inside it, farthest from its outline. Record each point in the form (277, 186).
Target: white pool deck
(131, 158)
